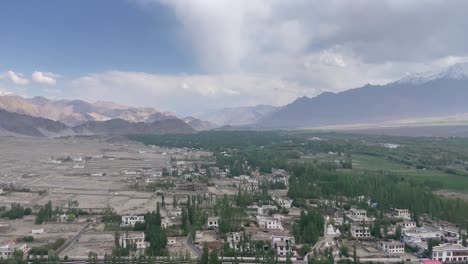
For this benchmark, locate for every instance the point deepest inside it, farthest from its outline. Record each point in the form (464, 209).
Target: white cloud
(187, 93)
(46, 78)
(325, 45)
(16, 78)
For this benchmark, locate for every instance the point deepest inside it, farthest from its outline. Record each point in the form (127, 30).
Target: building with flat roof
(450, 253)
(391, 247)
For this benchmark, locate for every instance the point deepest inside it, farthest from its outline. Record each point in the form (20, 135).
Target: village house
(358, 216)
(406, 225)
(402, 213)
(269, 223)
(450, 253)
(283, 202)
(166, 222)
(7, 250)
(266, 209)
(235, 241)
(131, 220)
(282, 244)
(421, 234)
(213, 222)
(391, 247)
(130, 172)
(37, 231)
(131, 238)
(193, 187)
(359, 231)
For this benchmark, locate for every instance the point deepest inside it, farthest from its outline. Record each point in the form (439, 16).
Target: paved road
(192, 246)
(72, 239)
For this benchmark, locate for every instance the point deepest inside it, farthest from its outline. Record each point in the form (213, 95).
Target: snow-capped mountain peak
(457, 71)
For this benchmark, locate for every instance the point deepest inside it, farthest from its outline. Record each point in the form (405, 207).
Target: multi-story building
(7, 250)
(402, 213)
(131, 220)
(282, 244)
(269, 223)
(450, 253)
(358, 216)
(213, 222)
(391, 247)
(406, 225)
(359, 231)
(266, 209)
(128, 239)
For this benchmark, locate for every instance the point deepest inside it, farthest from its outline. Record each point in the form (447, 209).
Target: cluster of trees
(386, 189)
(46, 213)
(209, 258)
(192, 214)
(155, 234)
(245, 198)
(309, 227)
(231, 217)
(47, 250)
(16, 211)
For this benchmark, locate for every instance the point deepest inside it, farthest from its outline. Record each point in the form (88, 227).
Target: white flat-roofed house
(37, 231)
(131, 220)
(77, 159)
(269, 223)
(359, 231)
(166, 222)
(359, 217)
(402, 213)
(406, 225)
(7, 250)
(283, 202)
(130, 172)
(421, 234)
(391, 247)
(234, 240)
(450, 253)
(213, 222)
(282, 248)
(357, 212)
(288, 240)
(266, 209)
(130, 238)
(157, 174)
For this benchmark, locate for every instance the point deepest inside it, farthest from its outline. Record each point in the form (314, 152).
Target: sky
(190, 56)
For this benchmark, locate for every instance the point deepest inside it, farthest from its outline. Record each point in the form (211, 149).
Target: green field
(431, 177)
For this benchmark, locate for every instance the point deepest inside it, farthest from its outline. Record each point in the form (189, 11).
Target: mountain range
(237, 116)
(14, 124)
(76, 112)
(414, 96)
(428, 95)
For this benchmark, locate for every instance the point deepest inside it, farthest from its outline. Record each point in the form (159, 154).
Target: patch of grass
(368, 162)
(434, 179)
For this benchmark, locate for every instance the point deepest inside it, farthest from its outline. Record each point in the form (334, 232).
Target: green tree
(214, 257)
(205, 258)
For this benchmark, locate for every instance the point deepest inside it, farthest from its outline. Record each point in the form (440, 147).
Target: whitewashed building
(391, 247)
(450, 253)
(359, 231)
(131, 220)
(138, 239)
(7, 250)
(269, 223)
(213, 222)
(402, 213)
